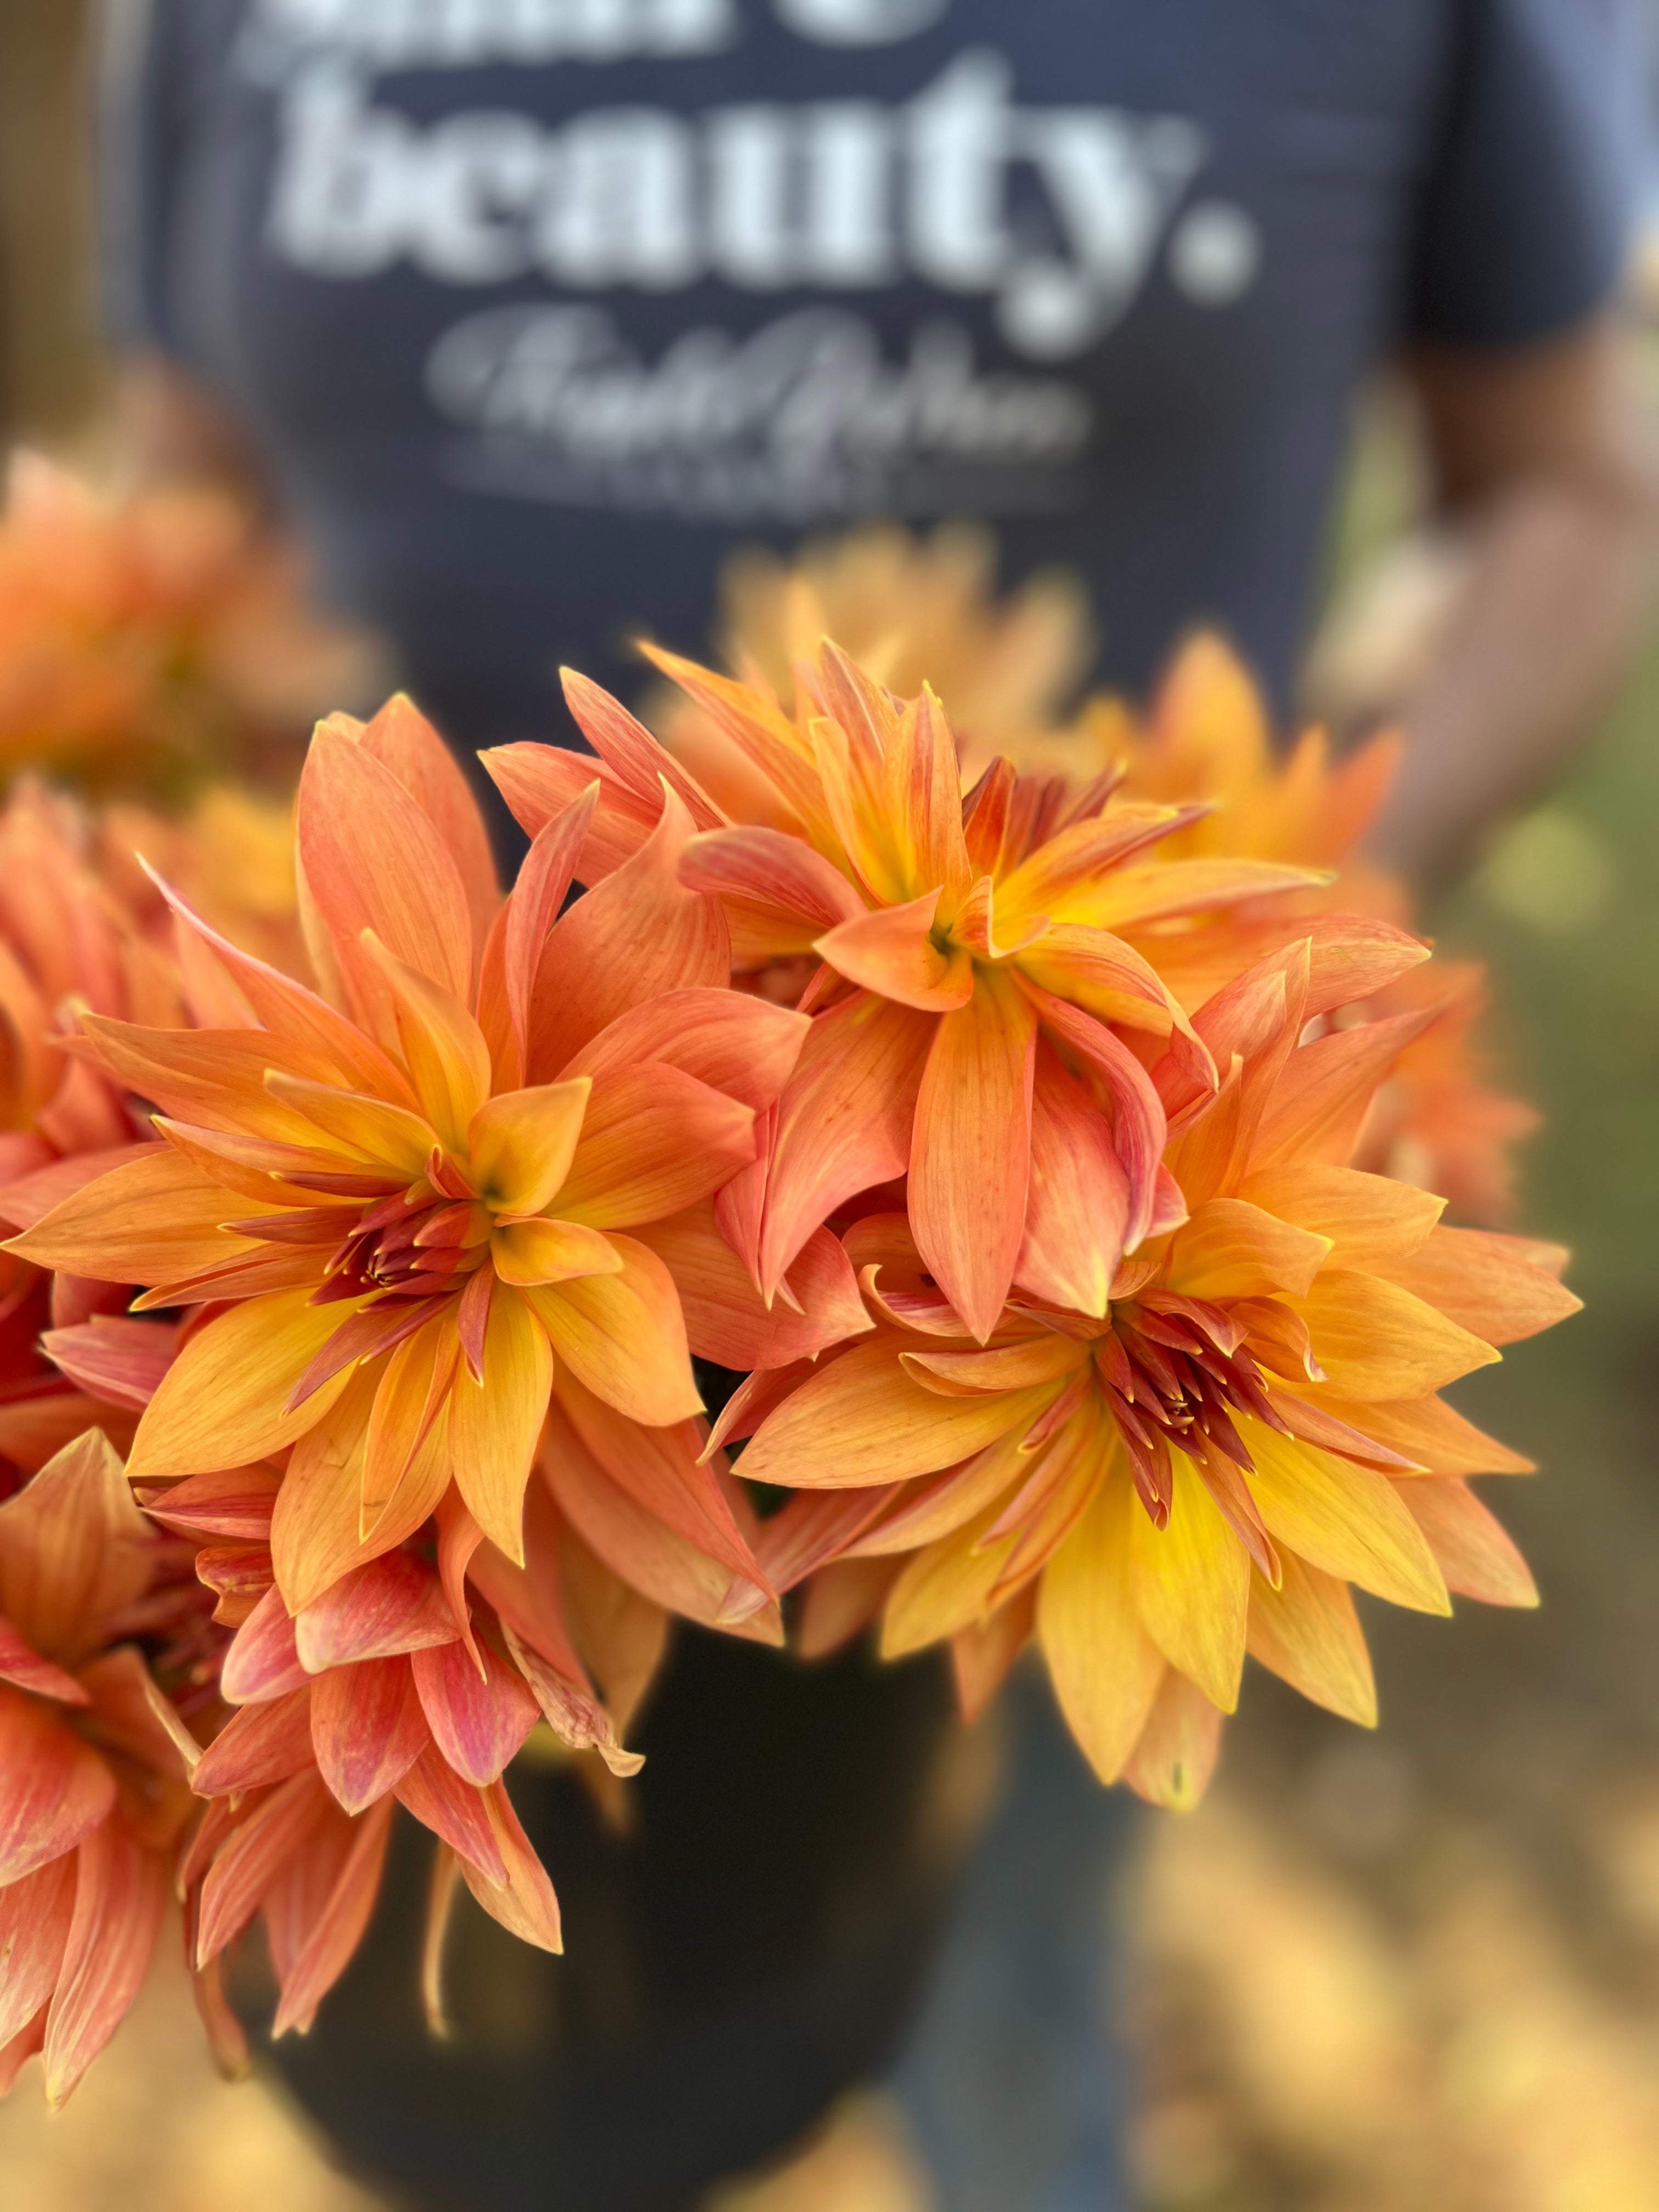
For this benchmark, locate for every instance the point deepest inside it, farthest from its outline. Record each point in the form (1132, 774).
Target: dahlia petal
(1374, 1339)
(522, 1143)
(922, 774)
(211, 1078)
(31, 1197)
(339, 1927)
(890, 951)
(495, 1423)
(982, 1655)
(224, 1402)
(1472, 1550)
(316, 1528)
(155, 1217)
(1354, 957)
(35, 1912)
(655, 1141)
(262, 1661)
(762, 733)
(1104, 1667)
(1308, 1632)
(478, 1722)
(1077, 1208)
(527, 1253)
(410, 1394)
(121, 1894)
(524, 1902)
(236, 1502)
(544, 878)
(378, 1135)
(1156, 893)
(1192, 1586)
(862, 1419)
(1486, 1283)
(1321, 1103)
(23, 1667)
(840, 1602)
(368, 1729)
(391, 1605)
(1345, 1519)
(628, 748)
(252, 1857)
(783, 893)
(659, 1467)
(969, 1165)
(402, 739)
(1230, 1248)
(844, 1119)
(1140, 1127)
(1066, 870)
(635, 935)
(943, 1588)
(130, 1715)
(570, 1709)
(726, 1319)
(813, 1527)
(622, 1634)
(1021, 1366)
(1431, 1434)
(74, 1549)
(1370, 1219)
(372, 859)
(540, 783)
(1172, 1763)
(443, 1048)
(259, 1746)
(113, 1358)
(742, 1046)
(454, 1810)
(623, 1336)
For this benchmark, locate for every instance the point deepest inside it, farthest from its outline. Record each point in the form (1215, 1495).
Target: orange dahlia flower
(146, 637)
(955, 935)
(94, 1791)
(1201, 1468)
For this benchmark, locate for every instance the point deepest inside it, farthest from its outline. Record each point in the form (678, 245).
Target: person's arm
(1543, 456)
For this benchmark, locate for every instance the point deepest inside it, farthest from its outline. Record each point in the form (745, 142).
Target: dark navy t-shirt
(538, 308)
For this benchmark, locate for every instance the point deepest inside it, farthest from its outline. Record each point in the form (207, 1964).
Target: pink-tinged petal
(74, 1550)
(494, 1424)
(131, 1716)
(339, 1928)
(892, 951)
(1354, 957)
(814, 1527)
(970, 1157)
(400, 737)
(628, 748)
(1491, 1284)
(529, 1600)
(756, 726)
(1140, 1128)
(1317, 1110)
(545, 875)
(540, 783)
(454, 1810)
(211, 1078)
(661, 1469)
(655, 1141)
(622, 1336)
(223, 1403)
(745, 1046)
(637, 934)
(157, 1217)
(235, 1502)
(121, 1894)
(863, 1419)
(263, 1661)
(1472, 1550)
(24, 2045)
(252, 1857)
(20, 1664)
(34, 1925)
(844, 1120)
(372, 859)
(368, 1729)
(522, 1143)
(32, 1196)
(286, 1009)
(1077, 1212)
(478, 1722)
(316, 1527)
(776, 889)
(570, 1709)
(55, 1789)
(1109, 979)
(726, 1318)
(259, 1746)
(113, 1358)
(393, 1604)
(523, 1903)
(526, 1253)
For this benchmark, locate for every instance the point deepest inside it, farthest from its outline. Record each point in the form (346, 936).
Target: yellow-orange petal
(148, 1221)
(1104, 1667)
(522, 1143)
(444, 1048)
(1229, 1248)
(1308, 1632)
(546, 1251)
(1374, 1339)
(495, 1424)
(623, 1337)
(1192, 1588)
(890, 951)
(655, 1141)
(1346, 1519)
(1171, 1764)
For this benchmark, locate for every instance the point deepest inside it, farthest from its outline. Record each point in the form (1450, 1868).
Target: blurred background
(1369, 1974)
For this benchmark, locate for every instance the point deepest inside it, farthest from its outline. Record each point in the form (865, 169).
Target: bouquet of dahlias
(1063, 1311)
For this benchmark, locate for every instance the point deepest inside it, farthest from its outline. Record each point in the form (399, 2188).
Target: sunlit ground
(1370, 1975)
